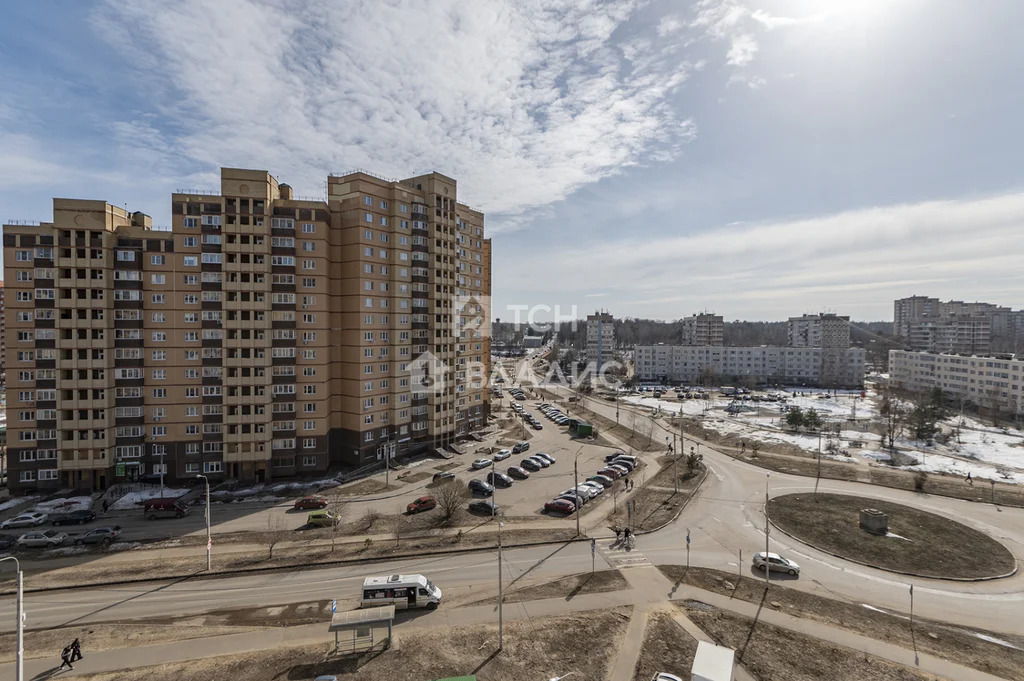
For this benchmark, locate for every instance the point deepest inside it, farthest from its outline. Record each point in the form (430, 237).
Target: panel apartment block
(990, 382)
(261, 336)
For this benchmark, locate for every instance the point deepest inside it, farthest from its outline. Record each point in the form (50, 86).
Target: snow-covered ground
(55, 506)
(132, 500)
(16, 501)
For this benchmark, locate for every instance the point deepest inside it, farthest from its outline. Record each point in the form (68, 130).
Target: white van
(401, 591)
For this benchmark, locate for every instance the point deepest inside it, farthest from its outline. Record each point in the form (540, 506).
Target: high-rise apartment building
(703, 329)
(954, 326)
(600, 338)
(261, 336)
(819, 331)
(3, 336)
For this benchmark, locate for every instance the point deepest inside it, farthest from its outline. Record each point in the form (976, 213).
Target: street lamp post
(209, 539)
(576, 484)
(494, 502)
(19, 624)
(767, 567)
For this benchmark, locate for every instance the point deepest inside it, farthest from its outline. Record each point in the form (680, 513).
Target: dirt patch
(925, 544)
(548, 646)
(772, 653)
(367, 486)
(446, 466)
(289, 556)
(666, 648)
(96, 637)
(654, 501)
(567, 587)
(935, 638)
(415, 477)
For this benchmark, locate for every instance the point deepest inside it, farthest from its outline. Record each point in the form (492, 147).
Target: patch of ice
(124, 546)
(997, 641)
(896, 536)
(131, 500)
(884, 612)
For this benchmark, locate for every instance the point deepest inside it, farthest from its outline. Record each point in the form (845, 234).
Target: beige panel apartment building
(262, 336)
(703, 329)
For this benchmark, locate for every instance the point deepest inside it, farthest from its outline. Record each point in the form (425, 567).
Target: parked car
(485, 507)
(480, 463)
(612, 457)
(480, 487)
(520, 447)
(560, 506)
(41, 539)
(530, 465)
(421, 504)
(517, 473)
(7, 542)
(586, 492)
(73, 518)
(537, 426)
(609, 472)
(443, 476)
(575, 499)
(499, 479)
(310, 503)
(603, 480)
(540, 461)
(322, 519)
(626, 457)
(29, 519)
(665, 676)
(775, 563)
(99, 535)
(502, 454)
(623, 466)
(547, 457)
(596, 486)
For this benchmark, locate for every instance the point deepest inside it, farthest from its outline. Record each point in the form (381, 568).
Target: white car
(502, 454)
(481, 463)
(25, 520)
(775, 563)
(585, 492)
(665, 676)
(45, 539)
(598, 488)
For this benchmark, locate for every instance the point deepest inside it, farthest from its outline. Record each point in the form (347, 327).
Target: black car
(547, 457)
(612, 457)
(480, 487)
(499, 479)
(443, 476)
(73, 518)
(484, 507)
(7, 542)
(520, 447)
(517, 473)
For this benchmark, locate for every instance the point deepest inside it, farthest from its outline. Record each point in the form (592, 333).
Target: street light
(494, 506)
(20, 624)
(576, 484)
(209, 540)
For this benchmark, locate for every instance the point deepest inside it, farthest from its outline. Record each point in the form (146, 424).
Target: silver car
(42, 539)
(25, 520)
(775, 563)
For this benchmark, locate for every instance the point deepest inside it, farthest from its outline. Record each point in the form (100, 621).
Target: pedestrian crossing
(618, 556)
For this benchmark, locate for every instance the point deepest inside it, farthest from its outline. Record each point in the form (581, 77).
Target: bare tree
(337, 504)
(275, 532)
(450, 496)
(894, 413)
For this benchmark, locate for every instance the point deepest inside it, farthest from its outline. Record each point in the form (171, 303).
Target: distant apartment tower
(261, 336)
(3, 337)
(955, 326)
(600, 338)
(819, 331)
(703, 329)
(990, 382)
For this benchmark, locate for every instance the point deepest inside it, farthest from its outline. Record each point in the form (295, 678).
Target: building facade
(260, 336)
(3, 337)
(991, 382)
(955, 326)
(760, 365)
(600, 338)
(703, 329)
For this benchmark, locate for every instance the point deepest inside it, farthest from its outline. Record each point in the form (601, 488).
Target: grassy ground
(568, 588)
(666, 648)
(541, 648)
(300, 557)
(655, 502)
(930, 545)
(935, 638)
(96, 637)
(772, 653)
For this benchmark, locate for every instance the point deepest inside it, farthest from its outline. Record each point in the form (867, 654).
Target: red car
(613, 473)
(307, 503)
(560, 506)
(421, 504)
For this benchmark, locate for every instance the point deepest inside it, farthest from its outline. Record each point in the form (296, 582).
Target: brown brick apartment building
(262, 336)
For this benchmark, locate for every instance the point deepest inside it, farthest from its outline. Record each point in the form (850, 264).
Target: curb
(896, 572)
(280, 568)
(681, 508)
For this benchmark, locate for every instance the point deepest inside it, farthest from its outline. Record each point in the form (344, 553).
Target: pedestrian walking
(106, 505)
(65, 658)
(968, 480)
(76, 650)
(618, 534)
(625, 482)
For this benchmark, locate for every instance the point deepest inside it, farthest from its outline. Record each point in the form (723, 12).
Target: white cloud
(858, 260)
(742, 49)
(670, 24)
(522, 102)
(770, 22)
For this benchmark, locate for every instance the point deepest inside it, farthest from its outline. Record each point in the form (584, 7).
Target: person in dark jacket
(76, 650)
(65, 658)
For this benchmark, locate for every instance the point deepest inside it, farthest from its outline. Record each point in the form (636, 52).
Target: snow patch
(997, 641)
(131, 500)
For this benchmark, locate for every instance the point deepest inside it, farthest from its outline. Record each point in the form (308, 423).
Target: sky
(650, 158)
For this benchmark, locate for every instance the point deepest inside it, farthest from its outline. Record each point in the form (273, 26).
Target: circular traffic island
(891, 536)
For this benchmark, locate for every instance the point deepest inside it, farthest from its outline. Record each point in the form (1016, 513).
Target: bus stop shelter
(359, 630)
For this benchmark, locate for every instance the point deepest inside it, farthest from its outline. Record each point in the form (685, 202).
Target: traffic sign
(334, 606)
(687, 536)
(209, 544)
(593, 546)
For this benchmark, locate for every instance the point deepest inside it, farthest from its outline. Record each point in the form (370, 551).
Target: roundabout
(917, 542)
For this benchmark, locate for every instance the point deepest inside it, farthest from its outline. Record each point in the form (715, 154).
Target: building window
(309, 443)
(190, 222)
(308, 228)
(212, 466)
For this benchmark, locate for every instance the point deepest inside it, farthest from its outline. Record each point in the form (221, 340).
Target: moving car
(322, 519)
(560, 506)
(73, 518)
(775, 563)
(443, 476)
(530, 465)
(99, 535)
(165, 508)
(517, 473)
(310, 503)
(480, 487)
(401, 591)
(481, 463)
(499, 479)
(422, 504)
(24, 520)
(520, 447)
(502, 454)
(41, 539)
(484, 506)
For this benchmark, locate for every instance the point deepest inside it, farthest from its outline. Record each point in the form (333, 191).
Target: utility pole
(209, 539)
(767, 567)
(19, 674)
(494, 502)
(817, 478)
(576, 484)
